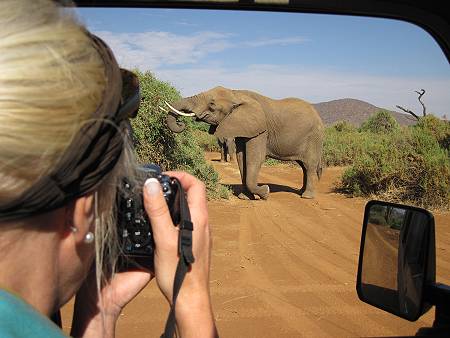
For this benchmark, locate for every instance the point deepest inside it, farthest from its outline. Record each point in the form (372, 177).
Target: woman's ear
(82, 218)
(245, 120)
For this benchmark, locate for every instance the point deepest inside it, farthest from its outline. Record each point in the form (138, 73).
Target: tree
(424, 109)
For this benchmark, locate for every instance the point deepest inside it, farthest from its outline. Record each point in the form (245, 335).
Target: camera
(134, 229)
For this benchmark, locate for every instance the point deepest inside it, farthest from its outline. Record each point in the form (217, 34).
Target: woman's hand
(97, 318)
(94, 318)
(193, 306)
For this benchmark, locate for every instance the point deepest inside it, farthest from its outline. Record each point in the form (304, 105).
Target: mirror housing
(397, 260)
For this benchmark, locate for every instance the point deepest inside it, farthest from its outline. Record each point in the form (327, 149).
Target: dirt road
(286, 267)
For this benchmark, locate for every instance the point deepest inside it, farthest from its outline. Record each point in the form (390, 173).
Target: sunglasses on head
(131, 95)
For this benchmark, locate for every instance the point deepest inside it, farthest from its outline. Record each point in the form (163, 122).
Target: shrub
(381, 122)
(404, 165)
(437, 128)
(342, 147)
(270, 162)
(377, 218)
(344, 126)
(206, 141)
(155, 143)
(407, 166)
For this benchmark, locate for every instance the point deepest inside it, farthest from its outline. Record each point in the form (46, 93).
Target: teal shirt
(18, 319)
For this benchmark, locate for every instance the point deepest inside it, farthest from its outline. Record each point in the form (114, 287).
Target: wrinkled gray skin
(288, 129)
(227, 147)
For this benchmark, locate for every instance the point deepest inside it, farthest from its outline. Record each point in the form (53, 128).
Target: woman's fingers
(157, 210)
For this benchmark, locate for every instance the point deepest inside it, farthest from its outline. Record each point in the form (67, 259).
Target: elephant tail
(319, 169)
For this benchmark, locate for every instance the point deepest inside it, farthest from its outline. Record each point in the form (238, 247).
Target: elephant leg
(255, 156)
(307, 190)
(303, 188)
(225, 151)
(223, 154)
(232, 150)
(240, 156)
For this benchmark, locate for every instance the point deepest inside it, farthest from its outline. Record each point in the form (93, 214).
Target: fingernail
(152, 186)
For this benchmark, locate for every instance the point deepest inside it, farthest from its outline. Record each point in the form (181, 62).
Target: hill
(354, 111)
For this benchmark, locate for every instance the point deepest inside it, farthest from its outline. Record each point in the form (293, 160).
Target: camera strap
(186, 259)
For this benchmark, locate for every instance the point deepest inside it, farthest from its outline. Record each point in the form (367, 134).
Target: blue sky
(314, 57)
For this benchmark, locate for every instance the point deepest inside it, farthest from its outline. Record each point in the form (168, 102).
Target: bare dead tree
(409, 112)
(424, 110)
(422, 91)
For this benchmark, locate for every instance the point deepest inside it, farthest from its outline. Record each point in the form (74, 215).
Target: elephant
(227, 147)
(288, 129)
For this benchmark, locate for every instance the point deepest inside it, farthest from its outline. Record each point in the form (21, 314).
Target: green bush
(410, 165)
(340, 148)
(407, 166)
(202, 126)
(377, 219)
(344, 126)
(206, 141)
(271, 162)
(381, 122)
(155, 143)
(437, 128)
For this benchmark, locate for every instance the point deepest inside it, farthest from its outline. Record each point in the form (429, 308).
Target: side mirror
(397, 259)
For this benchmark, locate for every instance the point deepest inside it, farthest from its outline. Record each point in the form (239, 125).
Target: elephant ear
(245, 120)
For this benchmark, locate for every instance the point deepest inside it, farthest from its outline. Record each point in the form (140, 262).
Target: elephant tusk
(163, 109)
(178, 112)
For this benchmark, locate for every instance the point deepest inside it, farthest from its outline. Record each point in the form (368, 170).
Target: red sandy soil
(286, 267)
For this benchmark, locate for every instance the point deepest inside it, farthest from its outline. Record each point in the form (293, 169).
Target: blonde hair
(51, 81)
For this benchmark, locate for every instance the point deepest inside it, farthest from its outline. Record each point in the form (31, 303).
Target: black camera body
(134, 229)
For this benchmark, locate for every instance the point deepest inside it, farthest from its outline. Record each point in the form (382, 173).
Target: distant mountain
(355, 112)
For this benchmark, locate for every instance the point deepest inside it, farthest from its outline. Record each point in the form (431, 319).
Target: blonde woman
(63, 110)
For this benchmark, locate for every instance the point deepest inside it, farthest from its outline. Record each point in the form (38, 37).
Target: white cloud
(150, 50)
(276, 42)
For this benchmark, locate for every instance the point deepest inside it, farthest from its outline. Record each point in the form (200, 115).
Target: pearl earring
(89, 238)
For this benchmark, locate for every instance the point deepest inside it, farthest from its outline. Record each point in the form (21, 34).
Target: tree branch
(422, 91)
(409, 112)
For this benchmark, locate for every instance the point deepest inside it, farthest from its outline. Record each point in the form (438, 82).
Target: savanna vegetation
(383, 159)
(403, 164)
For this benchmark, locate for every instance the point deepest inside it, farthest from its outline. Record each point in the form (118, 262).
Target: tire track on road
(293, 263)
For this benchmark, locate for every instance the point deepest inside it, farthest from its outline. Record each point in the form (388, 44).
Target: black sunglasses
(131, 96)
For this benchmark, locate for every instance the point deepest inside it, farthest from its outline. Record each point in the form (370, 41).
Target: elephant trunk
(173, 124)
(186, 105)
